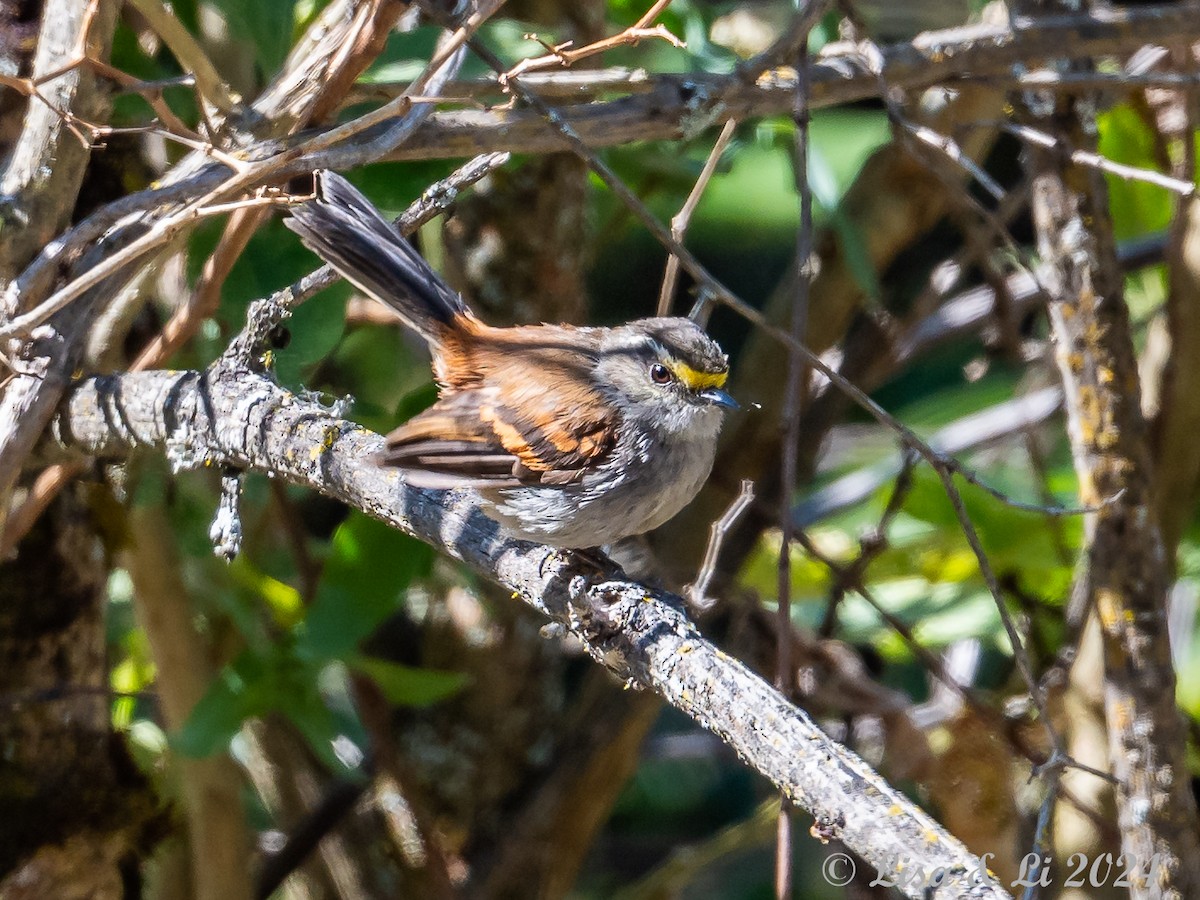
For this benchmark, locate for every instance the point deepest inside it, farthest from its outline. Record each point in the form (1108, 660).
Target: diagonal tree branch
(231, 416)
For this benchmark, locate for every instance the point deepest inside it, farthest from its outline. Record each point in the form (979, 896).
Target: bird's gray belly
(651, 484)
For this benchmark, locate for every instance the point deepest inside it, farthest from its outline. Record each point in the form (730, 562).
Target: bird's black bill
(717, 397)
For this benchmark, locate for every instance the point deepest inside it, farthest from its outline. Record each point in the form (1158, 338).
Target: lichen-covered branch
(230, 416)
(1124, 579)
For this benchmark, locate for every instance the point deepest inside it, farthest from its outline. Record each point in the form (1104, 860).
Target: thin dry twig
(578, 85)
(44, 489)
(1180, 186)
(797, 371)
(934, 664)
(870, 546)
(204, 300)
(1123, 82)
(697, 591)
(566, 55)
(1051, 771)
(683, 218)
(949, 147)
(91, 135)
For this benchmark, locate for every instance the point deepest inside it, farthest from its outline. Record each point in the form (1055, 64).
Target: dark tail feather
(344, 229)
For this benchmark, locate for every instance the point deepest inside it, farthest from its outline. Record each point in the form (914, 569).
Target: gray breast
(649, 479)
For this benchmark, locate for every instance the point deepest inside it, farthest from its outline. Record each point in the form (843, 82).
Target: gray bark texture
(231, 416)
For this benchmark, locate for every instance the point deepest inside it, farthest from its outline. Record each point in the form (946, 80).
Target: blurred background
(376, 721)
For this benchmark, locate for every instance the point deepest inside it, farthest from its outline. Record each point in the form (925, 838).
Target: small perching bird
(573, 437)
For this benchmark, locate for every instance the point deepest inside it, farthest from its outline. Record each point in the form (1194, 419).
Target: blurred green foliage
(296, 651)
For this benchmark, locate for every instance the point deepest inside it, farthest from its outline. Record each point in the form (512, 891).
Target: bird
(574, 437)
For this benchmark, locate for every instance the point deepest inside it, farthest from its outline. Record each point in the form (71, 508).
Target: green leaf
(1187, 687)
(266, 25)
(370, 564)
(1137, 207)
(280, 680)
(380, 367)
(416, 401)
(216, 717)
(307, 711)
(393, 186)
(858, 256)
(407, 686)
(314, 329)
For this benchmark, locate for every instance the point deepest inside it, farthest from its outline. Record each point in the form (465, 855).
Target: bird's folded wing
(538, 435)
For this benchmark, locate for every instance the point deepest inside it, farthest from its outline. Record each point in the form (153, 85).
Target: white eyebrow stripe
(640, 342)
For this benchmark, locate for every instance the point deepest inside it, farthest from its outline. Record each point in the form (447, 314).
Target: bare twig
(934, 664)
(578, 85)
(400, 113)
(206, 297)
(668, 106)
(1120, 82)
(870, 546)
(1091, 159)
(949, 147)
(785, 675)
(45, 488)
(567, 54)
(336, 803)
(1005, 419)
(681, 220)
(697, 592)
(677, 104)
(1050, 770)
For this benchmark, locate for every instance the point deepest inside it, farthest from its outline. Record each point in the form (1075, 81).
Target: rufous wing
(504, 435)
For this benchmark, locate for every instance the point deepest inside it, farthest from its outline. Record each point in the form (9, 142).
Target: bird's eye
(660, 374)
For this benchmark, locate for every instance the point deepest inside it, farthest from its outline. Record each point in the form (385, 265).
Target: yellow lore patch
(695, 379)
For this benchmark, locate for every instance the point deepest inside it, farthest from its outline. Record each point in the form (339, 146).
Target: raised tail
(342, 227)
